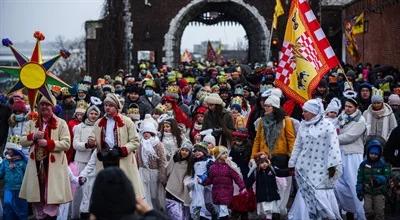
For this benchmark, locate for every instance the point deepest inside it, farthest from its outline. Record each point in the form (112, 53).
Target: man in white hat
(316, 161)
(116, 140)
(46, 183)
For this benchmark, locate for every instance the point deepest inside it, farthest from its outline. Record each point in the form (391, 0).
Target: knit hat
(273, 100)
(334, 106)
(19, 106)
(187, 145)
(113, 99)
(394, 99)
(214, 98)
(202, 147)
(113, 195)
(148, 119)
(182, 83)
(209, 139)
(87, 79)
(52, 100)
(148, 126)
(272, 91)
(92, 108)
(218, 151)
(314, 106)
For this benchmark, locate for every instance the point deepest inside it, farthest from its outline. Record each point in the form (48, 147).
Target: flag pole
(269, 40)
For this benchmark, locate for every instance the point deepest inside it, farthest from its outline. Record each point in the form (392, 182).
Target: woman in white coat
(84, 150)
(352, 128)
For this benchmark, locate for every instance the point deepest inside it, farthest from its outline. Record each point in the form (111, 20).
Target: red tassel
(32, 156)
(52, 158)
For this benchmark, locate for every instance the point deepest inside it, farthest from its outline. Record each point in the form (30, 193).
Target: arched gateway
(230, 10)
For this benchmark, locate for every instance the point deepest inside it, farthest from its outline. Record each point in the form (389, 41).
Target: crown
(222, 78)
(82, 104)
(173, 89)
(82, 87)
(149, 82)
(134, 111)
(239, 90)
(65, 91)
(376, 91)
(236, 100)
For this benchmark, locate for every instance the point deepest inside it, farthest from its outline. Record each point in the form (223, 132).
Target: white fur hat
(214, 98)
(334, 106)
(314, 106)
(272, 91)
(274, 101)
(148, 126)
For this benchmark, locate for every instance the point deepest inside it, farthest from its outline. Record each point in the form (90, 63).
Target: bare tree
(71, 69)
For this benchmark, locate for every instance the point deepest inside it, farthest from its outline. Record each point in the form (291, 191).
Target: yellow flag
(278, 12)
(306, 55)
(358, 26)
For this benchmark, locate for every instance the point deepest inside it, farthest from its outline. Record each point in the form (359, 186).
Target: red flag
(211, 54)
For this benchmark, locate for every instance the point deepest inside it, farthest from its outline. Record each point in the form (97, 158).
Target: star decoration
(34, 74)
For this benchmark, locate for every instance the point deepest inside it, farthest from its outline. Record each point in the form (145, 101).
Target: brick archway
(247, 15)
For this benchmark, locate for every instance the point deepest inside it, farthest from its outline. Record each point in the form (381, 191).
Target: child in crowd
(267, 195)
(171, 136)
(12, 170)
(372, 181)
(177, 194)
(152, 164)
(332, 111)
(200, 205)
(221, 175)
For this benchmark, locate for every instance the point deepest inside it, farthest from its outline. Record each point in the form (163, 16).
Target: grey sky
(20, 18)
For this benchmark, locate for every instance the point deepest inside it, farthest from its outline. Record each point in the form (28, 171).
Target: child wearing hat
(200, 206)
(221, 175)
(179, 168)
(152, 164)
(18, 121)
(267, 195)
(372, 180)
(12, 170)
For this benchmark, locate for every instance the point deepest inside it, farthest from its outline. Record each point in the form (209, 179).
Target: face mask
(81, 97)
(148, 92)
(19, 117)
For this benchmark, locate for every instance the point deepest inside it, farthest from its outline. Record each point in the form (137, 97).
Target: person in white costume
(352, 129)
(316, 161)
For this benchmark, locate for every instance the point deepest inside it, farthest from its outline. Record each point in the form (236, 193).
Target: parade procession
(298, 120)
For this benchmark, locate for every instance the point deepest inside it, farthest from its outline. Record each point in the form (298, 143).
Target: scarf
(272, 129)
(345, 119)
(383, 113)
(148, 152)
(89, 123)
(313, 121)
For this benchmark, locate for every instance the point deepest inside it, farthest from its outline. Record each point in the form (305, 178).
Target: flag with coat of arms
(306, 55)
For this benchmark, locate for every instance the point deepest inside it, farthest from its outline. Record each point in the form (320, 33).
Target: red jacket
(222, 176)
(71, 151)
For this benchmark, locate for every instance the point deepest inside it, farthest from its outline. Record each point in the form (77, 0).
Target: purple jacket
(221, 176)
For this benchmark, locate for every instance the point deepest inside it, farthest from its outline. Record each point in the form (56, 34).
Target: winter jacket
(213, 121)
(68, 111)
(284, 143)
(381, 125)
(391, 152)
(373, 177)
(155, 100)
(13, 176)
(241, 156)
(176, 173)
(5, 113)
(222, 176)
(81, 136)
(351, 136)
(266, 187)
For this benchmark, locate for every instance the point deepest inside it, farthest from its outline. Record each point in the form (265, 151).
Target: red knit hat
(19, 106)
(182, 83)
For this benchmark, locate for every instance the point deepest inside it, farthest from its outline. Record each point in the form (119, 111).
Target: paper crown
(222, 78)
(87, 79)
(171, 77)
(173, 91)
(118, 79)
(95, 100)
(238, 90)
(149, 83)
(133, 110)
(65, 91)
(236, 100)
(82, 87)
(82, 104)
(377, 92)
(190, 79)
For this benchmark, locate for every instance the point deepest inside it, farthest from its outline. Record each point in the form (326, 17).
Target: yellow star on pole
(34, 74)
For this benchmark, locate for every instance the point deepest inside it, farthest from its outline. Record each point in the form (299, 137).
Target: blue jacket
(12, 177)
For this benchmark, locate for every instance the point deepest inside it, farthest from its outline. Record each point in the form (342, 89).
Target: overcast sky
(20, 18)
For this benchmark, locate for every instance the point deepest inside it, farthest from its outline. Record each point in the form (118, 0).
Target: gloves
(291, 171)
(331, 171)
(123, 151)
(360, 197)
(216, 132)
(82, 180)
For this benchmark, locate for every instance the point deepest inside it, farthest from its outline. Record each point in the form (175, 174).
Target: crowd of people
(204, 141)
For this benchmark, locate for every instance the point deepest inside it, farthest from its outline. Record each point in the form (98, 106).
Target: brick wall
(380, 44)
